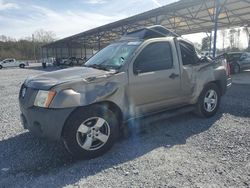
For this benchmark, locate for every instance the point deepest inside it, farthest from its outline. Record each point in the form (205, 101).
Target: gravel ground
(183, 151)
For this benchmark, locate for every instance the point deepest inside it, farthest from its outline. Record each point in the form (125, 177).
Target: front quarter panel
(86, 92)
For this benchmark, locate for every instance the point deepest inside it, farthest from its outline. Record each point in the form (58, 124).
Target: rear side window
(188, 53)
(154, 57)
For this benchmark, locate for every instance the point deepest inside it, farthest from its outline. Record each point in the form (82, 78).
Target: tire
(1, 66)
(209, 101)
(21, 66)
(236, 68)
(86, 127)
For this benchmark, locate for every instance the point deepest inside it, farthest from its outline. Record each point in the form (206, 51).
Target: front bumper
(45, 122)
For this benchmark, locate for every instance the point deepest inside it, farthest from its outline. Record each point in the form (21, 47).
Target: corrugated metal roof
(183, 17)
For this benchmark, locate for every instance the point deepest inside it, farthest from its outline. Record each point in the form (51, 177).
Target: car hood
(48, 80)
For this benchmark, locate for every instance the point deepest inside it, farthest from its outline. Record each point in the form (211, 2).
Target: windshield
(113, 56)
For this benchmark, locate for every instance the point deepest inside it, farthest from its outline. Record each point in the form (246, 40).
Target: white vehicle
(12, 63)
(48, 61)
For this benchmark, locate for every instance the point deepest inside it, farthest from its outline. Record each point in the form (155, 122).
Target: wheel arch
(233, 64)
(113, 107)
(220, 85)
(21, 65)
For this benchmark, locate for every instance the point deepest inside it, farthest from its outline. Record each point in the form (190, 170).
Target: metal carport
(183, 17)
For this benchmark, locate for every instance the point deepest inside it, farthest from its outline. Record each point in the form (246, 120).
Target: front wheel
(22, 66)
(209, 101)
(89, 133)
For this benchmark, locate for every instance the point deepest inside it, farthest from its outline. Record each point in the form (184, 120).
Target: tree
(232, 37)
(43, 36)
(39, 38)
(223, 35)
(26, 48)
(238, 31)
(246, 31)
(205, 44)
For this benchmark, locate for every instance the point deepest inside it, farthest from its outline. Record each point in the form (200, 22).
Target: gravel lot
(183, 151)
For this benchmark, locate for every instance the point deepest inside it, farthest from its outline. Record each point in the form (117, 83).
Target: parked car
(238, 61)
(12, 63)
(145, 72)
(71, 61)
(64, 61)
(81, 61)
(48, 62)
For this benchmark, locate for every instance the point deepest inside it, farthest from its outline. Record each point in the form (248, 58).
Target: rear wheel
(209, 101)
(90, 132)
(22, 66)
(236, 68)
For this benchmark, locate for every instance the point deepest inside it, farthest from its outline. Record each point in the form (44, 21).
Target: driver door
(154, 81)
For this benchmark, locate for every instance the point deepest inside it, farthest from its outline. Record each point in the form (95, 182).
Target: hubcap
(210, 101)
(93, 133)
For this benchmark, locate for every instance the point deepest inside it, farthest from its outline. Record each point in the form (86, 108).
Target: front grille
(28, 99)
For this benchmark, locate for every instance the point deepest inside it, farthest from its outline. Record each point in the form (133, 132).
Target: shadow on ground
(38, 157)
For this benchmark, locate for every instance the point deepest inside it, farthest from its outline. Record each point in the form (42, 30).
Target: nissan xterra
(145, 72)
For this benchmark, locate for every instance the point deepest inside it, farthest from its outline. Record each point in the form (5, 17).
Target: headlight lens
(44, 98)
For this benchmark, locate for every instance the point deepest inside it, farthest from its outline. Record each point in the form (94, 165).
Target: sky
(20, 19)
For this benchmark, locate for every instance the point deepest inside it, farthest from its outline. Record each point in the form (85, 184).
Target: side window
(188, 53)
(7, 61)
(154, 57)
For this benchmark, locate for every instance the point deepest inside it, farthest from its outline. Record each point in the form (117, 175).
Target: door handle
(173, 76)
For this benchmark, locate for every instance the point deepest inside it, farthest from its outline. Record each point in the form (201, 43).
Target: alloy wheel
(93, 133)
(211, 100)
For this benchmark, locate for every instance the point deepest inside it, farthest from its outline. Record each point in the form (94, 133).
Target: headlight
(44, 98)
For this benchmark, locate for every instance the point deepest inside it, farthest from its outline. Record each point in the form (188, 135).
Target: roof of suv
(155, 31)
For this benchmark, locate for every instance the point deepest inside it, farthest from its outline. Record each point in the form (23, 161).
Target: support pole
(99, 43)
(123, 30)
(68, 51)
(41, 53)
(85, 51)
(210, 42)
(156, 20)
(47, 53)
(61, 52)
(217, 12)
(56, 52)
